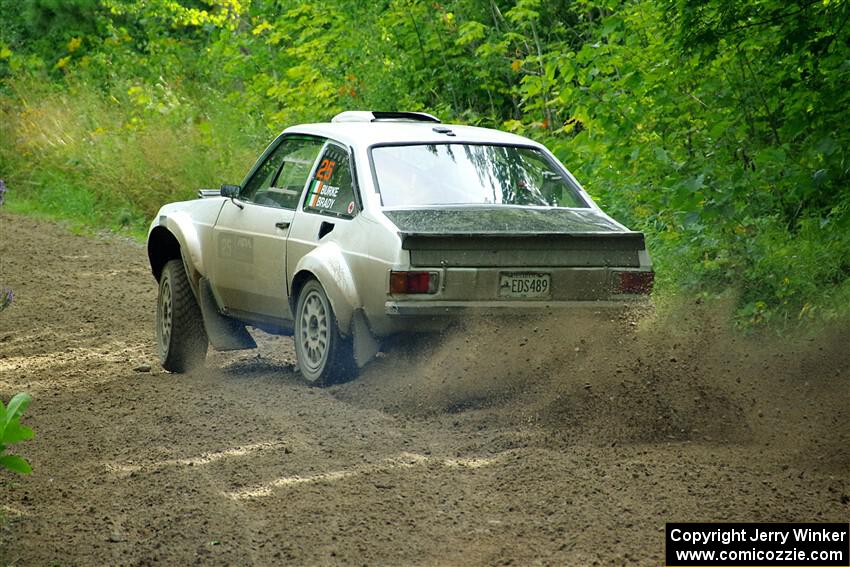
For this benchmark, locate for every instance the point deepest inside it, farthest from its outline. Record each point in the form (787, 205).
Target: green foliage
(11, 431)
(113, 159)
(715, 126)
(731, 154)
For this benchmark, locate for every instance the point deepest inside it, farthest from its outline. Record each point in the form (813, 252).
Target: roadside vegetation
(718, 127)
(11, 431)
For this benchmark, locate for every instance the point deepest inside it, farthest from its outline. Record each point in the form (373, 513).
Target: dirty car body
(349, 232)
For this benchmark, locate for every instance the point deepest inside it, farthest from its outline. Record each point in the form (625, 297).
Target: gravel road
(557, 441)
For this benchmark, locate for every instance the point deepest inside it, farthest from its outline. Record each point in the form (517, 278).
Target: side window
(278, 182)
(331, 190)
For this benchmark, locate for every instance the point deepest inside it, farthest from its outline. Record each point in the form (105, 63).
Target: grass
(76, 211)
(110, 160)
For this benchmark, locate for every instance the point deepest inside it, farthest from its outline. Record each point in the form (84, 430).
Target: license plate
(525, 285)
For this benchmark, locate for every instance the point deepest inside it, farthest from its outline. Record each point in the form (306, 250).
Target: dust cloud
(599, 378)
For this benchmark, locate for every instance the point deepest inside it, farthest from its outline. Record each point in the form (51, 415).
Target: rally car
(379, 223)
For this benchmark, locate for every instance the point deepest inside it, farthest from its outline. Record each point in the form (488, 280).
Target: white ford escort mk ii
(378, 223)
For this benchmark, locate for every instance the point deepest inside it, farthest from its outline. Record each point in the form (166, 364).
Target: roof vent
(370, 116)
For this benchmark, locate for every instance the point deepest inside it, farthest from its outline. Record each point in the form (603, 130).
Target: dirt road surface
(565, 441)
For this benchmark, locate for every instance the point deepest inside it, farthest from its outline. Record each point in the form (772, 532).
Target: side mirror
(230, 191)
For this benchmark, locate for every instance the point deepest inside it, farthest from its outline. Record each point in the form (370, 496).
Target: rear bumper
(450, 309)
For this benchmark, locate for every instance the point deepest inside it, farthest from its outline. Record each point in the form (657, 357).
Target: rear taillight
(633, 282)
(413, 282)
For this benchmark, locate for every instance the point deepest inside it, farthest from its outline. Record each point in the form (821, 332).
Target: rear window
(456, 174)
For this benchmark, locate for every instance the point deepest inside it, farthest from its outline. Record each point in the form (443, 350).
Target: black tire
(324, 356)
(180, 333)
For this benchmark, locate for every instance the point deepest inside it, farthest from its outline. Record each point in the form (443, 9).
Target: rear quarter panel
(343, 261)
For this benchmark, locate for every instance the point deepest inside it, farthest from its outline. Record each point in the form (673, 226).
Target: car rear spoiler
(376, 116)
(627, 240)
(506, 249)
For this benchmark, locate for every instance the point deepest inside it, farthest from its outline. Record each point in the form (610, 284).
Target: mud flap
(223, 332)
(365, 344)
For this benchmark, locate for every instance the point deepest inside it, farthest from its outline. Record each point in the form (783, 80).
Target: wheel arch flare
(327, 264)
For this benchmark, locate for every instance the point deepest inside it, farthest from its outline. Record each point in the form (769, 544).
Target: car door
(249, 238)
(329, 205)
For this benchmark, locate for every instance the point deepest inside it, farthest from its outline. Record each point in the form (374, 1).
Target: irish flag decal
(315, 190)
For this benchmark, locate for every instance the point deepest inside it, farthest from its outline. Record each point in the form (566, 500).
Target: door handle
(283, 225)
(325, 228)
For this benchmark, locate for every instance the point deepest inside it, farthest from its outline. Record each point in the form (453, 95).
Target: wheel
(324, 355)
(180, 331)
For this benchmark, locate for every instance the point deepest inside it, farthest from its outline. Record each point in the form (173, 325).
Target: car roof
(360, 134)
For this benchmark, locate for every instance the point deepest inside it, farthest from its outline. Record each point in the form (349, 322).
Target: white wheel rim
(165, 316)
(314, 332)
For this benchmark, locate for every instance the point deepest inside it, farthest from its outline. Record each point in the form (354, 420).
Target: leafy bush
(11, 431)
